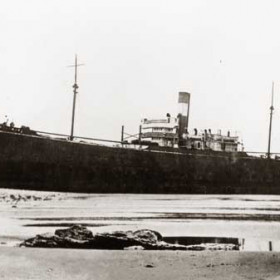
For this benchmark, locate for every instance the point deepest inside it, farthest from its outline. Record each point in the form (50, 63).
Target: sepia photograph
(140, 140)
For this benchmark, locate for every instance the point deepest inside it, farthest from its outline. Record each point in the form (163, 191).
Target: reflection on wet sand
(241, 243)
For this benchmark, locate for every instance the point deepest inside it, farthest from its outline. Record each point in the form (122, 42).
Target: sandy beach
(30, 263)
(25, 214)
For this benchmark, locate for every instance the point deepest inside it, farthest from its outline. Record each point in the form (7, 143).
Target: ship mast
(75, 88)
(270, 122)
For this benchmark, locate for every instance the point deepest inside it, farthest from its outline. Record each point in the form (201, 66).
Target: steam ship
(165, 158)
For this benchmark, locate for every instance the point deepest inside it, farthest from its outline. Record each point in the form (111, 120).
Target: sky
(137, 56)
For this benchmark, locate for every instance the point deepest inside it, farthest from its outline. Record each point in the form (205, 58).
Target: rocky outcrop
(79, 236)
(76, 236)
(76, 232)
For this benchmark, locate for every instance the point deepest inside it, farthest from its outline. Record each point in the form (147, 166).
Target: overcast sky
(138, 55)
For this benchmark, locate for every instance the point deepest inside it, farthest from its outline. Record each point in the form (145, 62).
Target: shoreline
(40, 263)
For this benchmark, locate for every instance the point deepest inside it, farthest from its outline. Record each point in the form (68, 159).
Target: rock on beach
(79, 236)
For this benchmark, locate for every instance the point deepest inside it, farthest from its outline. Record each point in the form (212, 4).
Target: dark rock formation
(75, 232)
(76, 236)
(79, 236)
(122, 239)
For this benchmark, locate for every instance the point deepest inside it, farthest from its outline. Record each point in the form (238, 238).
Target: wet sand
(253, 219)
(31, 263)
(25, 214)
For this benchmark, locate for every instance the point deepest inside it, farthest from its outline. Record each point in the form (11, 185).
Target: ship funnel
(184, 110)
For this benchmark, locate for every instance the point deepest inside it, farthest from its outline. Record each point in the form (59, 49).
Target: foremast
(75, 91)
(270, 121)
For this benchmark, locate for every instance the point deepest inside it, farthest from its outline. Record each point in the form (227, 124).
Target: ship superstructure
(174, 132)
(162, 131)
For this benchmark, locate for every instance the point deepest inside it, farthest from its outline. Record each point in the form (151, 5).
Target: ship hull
(37, 163)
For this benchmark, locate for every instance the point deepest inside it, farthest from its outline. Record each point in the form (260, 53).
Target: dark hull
(30, 162)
